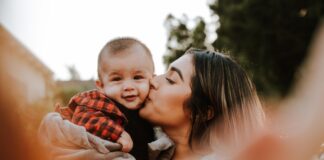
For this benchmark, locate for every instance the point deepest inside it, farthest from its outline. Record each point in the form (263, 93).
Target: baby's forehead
(127, 68)
(128, 57)
(125, 55)
(126, 50)
(127, 71)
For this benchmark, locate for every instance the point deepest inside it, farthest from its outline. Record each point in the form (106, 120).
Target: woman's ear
(99, 84)
(210, 114)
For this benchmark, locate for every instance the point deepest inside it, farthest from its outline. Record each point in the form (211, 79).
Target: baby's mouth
(130, 98)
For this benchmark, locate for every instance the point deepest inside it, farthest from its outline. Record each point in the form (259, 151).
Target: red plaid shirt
(97, 113)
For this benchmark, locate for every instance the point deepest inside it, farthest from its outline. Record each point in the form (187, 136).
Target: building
(66, 89)
(26, 77)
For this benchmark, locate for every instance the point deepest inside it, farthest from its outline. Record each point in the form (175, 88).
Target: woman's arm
(64, 140)
(299, 119)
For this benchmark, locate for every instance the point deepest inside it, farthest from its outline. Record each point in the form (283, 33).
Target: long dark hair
(222, 95)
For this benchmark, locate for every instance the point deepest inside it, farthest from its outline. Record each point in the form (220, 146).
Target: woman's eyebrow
(178, 71)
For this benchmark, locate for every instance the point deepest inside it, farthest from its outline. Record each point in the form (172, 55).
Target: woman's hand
(65, 140)
(267, 147)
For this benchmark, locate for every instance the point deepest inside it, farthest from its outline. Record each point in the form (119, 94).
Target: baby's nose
(128, 86)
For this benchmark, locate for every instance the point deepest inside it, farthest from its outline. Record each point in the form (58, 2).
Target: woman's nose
(154, 83)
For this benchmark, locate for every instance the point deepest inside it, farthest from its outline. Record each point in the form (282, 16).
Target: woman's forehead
(183, 66)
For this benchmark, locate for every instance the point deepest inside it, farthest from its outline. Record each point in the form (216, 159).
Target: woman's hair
(224, 101)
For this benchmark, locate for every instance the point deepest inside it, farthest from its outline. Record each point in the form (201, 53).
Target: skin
(125, 76)
(165, 105)
(125, 79)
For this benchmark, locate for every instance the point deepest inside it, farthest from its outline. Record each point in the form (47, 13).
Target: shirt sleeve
(98, 123)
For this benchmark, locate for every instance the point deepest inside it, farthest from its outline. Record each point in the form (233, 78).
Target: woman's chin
(147, 113)
(143, 112)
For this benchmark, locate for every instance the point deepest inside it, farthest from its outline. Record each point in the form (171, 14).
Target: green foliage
(65, 93)
(66, 89)
(181, 38)
(268, 38)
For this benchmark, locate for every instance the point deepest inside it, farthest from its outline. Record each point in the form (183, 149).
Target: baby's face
(125, 77)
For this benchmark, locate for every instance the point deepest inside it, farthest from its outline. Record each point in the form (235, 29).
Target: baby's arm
(97, 123)
(126, 141)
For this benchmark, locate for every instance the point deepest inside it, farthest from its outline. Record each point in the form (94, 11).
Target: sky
(65, 33)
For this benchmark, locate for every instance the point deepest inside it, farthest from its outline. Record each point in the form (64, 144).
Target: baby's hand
(126, 141)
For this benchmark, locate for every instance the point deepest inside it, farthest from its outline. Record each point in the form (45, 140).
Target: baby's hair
(116, 45)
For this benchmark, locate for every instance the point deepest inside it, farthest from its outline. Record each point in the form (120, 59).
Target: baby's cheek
(112, 91)
(144, 89)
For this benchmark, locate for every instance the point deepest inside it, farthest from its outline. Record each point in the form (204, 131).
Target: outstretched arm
(300, 116)
(64, 140)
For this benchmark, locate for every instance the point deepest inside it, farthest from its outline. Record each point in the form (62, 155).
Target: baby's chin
(133, 106)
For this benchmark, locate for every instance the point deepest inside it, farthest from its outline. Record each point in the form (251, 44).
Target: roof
(9, 44)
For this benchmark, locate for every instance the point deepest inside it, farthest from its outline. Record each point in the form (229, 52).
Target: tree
(74, 74)
(181, 38)
(268, 38)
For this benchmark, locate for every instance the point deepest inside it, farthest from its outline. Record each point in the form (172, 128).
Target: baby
(125, 66)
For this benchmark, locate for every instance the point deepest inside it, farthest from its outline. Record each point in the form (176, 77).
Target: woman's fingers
(94, 155)
(103, 146)
(118, 156)
(111, 146)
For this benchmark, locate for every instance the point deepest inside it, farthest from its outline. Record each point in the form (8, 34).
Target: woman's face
(168, 93)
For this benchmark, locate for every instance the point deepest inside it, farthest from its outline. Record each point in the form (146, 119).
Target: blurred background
(49, 48)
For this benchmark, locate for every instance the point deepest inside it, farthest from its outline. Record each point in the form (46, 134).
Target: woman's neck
(180, 137)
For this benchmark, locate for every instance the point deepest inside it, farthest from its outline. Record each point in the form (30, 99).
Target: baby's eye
(116, 79)
(137, 77)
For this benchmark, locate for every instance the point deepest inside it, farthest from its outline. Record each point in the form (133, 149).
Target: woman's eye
(137, 77)
(169, 80)
(116, 79)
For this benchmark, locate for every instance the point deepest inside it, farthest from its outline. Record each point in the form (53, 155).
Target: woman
(205, 100)
(205, 103)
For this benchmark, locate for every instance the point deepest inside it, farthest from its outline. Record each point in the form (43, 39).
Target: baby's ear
(99, 84)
